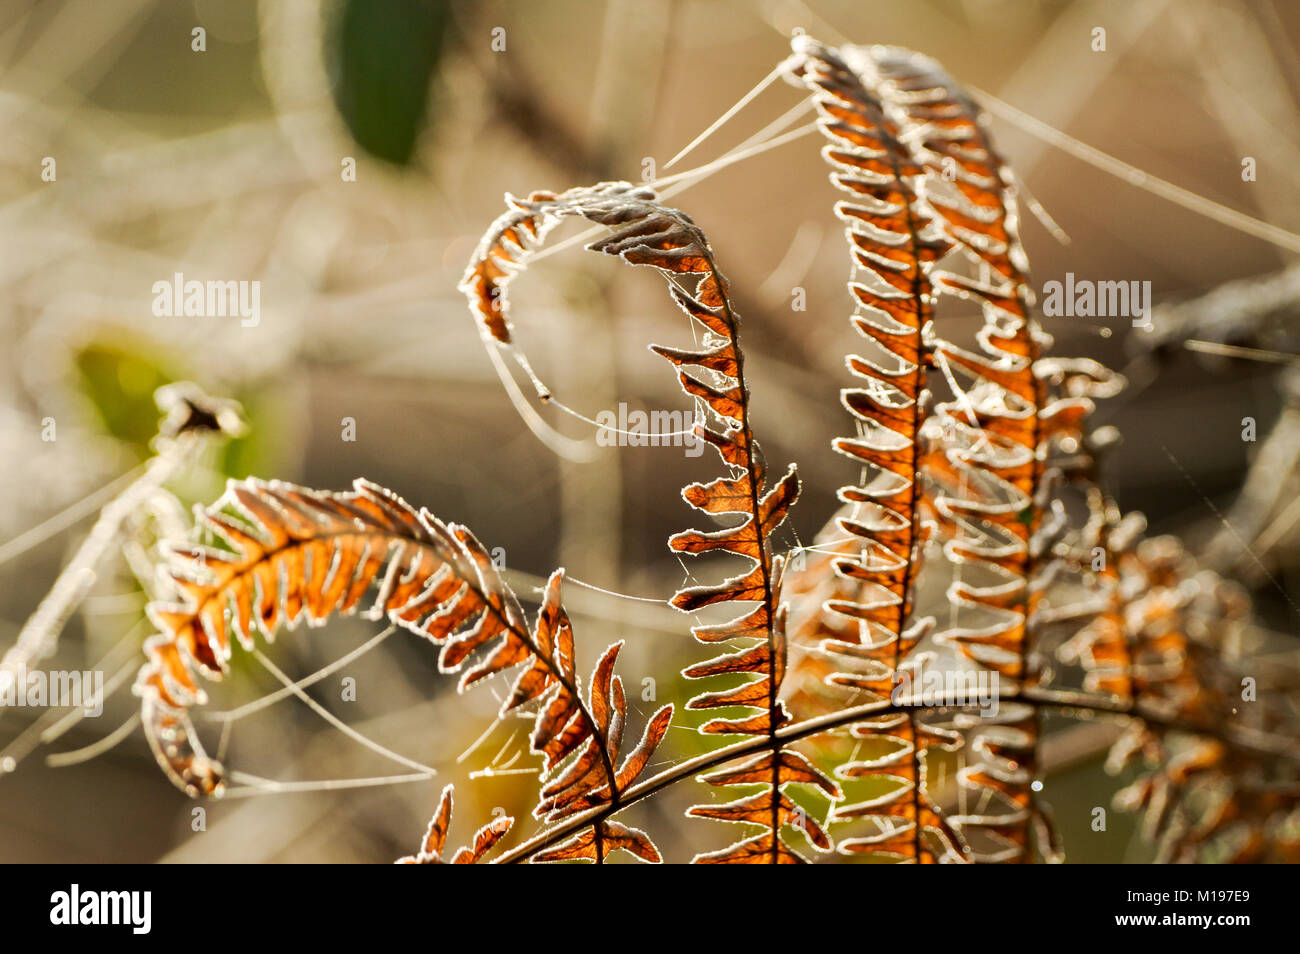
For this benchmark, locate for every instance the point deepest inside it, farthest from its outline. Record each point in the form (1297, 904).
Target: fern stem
(1066, 701)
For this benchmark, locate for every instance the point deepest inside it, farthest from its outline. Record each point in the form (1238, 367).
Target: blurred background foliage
(225, 164)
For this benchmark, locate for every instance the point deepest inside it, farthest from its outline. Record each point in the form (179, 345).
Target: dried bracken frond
(986, 447)
(992, 433)
(1203, 798)
(863, 624)
(291, 555)
(643, 232)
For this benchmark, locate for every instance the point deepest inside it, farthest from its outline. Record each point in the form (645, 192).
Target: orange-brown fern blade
(295, 555)
(644, 232)
(861, 630)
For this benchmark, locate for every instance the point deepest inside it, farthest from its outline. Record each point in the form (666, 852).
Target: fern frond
(1202, 800)
(643, 232)
(291, 555)
(1165, 643)
(892, 237)
(987, 458)
(864, 624)
(992, 438)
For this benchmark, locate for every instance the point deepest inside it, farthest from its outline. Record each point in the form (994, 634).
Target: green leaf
(382, 59)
